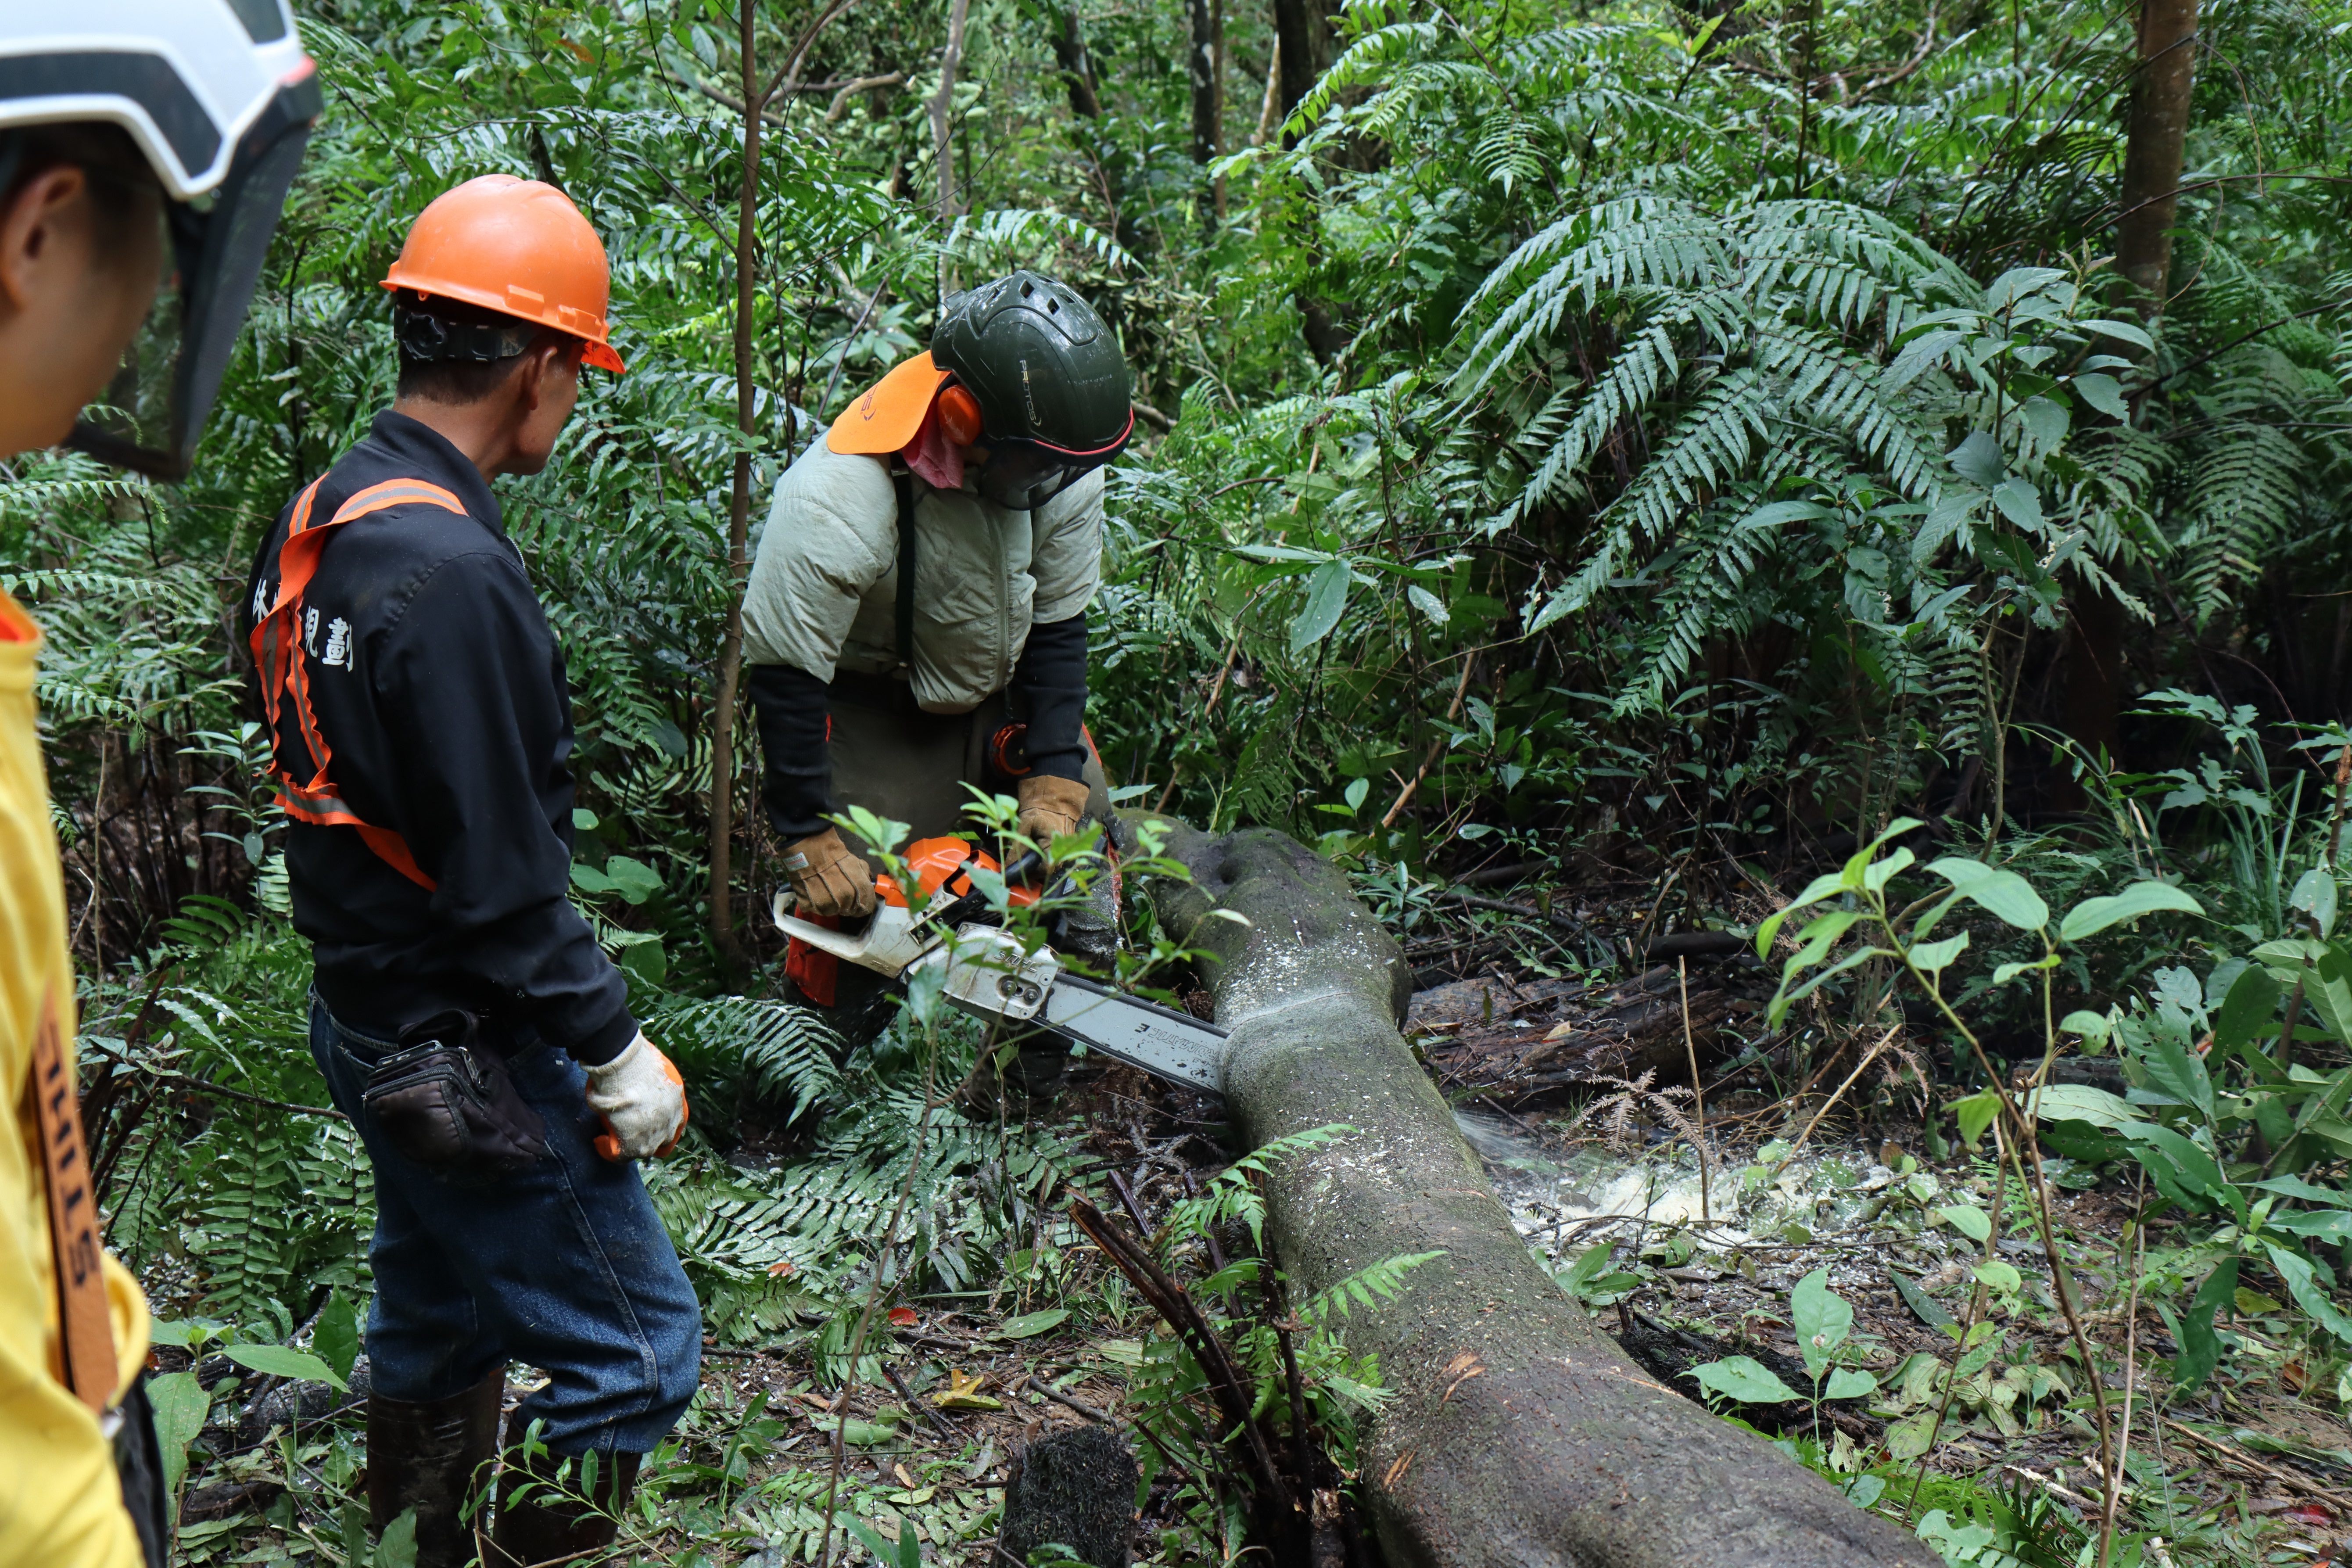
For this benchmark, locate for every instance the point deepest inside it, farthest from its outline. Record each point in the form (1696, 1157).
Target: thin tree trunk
(2153, 153)
(1202, 61)
(1077, 70)
(1301, 51)
(943, 110)
(1217, 93)
(2096, 623)
(1298, 27)
(738, 511)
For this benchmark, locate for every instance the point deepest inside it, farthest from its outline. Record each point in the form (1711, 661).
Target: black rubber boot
(558, 1519)
(433, 1457)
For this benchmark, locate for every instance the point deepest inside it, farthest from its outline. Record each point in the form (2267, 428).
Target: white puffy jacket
(824, 581)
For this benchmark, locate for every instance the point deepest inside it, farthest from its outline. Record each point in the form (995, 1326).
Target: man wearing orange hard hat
(463, 1014)
(916, 620)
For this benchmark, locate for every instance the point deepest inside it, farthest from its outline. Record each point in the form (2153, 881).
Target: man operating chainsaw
(916, 621)
(463, 1014)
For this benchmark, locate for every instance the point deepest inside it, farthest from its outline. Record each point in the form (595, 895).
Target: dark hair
(123, 190)
(456, 379)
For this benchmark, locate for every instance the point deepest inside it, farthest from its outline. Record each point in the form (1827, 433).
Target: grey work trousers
(907, 765)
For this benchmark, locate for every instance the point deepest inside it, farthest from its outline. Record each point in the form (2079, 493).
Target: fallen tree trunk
(1518, 1433)
(1511, 1044)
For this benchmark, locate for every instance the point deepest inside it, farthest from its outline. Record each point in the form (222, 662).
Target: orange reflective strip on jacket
(277, 653)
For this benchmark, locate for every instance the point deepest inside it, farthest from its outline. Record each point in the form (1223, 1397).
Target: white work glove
(641, 1101)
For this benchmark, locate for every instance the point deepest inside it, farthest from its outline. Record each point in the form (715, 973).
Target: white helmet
(220, 96)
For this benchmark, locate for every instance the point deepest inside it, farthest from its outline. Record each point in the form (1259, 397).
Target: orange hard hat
(892, 410)
(518, 247)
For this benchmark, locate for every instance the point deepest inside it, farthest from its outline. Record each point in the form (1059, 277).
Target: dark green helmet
(1042, 367)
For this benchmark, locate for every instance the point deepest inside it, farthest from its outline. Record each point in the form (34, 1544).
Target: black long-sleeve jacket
(441, 693)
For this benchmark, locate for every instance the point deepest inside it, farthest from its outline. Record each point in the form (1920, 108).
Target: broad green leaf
(1327, 599)
(397, 1547)
(336, 1335)
(279, 1361)
(1976, 1360)
(2302, 1283)
(1935, 957)
(2314, 895)
(1878, 873)
(1865, 1490)
(2124, 331)
(1785, 998)
(2177, 1071)
(2004, 895)
(1825, 886)
(2314, 1224)
(2093, 1027)
(2249, 1007)
(2082, 1103)
(2093, 915)
(1928, 1310)
(1978, 459)
(2001, 1276)
(2296, 1187)
(2102, 393)
(1823, 1319)
(1976, 1112)
(1588, 1267)
(2017, 499)
(632, 878)
(180, 1404)
(1909, 1439)
(1813, 943)
(1746, 1379)
(2009, 972)
(1850, 1382)
(1031, 1324)
(1969, 1221)
(2183, 1171)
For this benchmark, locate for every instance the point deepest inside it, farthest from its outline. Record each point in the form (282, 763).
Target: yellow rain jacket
(60, 1503)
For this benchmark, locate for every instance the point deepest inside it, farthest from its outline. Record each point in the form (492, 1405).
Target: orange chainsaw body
(935, 860)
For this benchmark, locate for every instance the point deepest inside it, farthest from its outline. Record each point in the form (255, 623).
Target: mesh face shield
(151, 416)
(1022, 476)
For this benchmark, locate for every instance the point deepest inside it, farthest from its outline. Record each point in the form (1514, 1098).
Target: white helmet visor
(152, 415)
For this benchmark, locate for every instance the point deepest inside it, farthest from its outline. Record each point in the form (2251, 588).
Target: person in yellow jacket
(110, 116)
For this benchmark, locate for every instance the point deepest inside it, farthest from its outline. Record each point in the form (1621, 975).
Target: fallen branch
(1039, 1385)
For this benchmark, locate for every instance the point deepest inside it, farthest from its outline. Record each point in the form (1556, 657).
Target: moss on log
(1518, 1433)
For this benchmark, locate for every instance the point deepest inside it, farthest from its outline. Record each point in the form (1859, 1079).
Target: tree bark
(1203, 63)
(739, 509)
(1305, 42)
(1516, 1432)
(2153, 151)
(1077, 70)
(943, 109)
(2095, 623)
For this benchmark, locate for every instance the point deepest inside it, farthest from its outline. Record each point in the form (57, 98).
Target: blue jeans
(565, 1267)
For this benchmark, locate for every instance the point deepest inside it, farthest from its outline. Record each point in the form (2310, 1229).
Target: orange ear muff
(960, 416)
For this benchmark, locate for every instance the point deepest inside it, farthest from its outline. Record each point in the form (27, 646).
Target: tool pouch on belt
(447, 1102)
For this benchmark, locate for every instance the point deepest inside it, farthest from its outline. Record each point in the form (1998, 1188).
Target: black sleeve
(479, 724)
(797, 785)
(1051, 679)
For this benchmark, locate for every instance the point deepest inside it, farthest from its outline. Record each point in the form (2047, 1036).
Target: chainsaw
(986, 972)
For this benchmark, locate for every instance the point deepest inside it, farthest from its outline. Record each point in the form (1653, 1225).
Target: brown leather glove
(1050, 806)
(826, 879)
